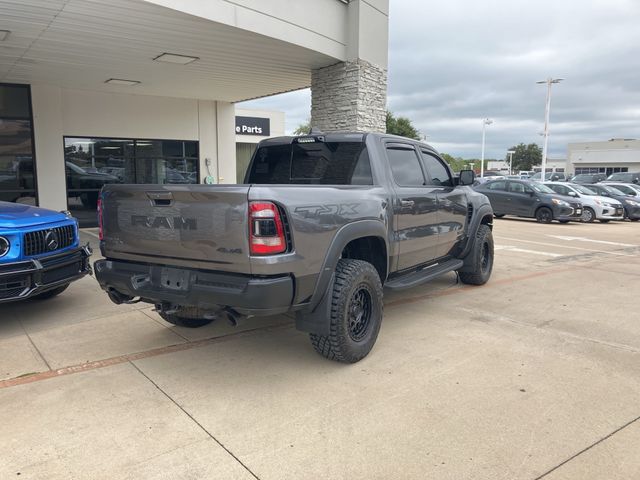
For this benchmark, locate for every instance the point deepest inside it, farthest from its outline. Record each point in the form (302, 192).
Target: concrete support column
(349, 95)
(217, 137)
(49, 149)
(352, 95)
(226, 129)
(207, 138)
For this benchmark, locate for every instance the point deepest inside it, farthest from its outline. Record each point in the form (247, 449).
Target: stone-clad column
(349, 95)
(352, 94)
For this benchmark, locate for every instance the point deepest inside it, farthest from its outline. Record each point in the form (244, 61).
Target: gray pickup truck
(322, 223)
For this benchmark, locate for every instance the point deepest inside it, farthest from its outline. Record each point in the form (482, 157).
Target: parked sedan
(630, 203)
(589, 178)
(628, 188)
(595, 206)
(625, 177)
(550, 176)
(523, 198)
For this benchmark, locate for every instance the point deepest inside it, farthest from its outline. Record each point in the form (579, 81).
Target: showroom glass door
(90, 163)
(17, 159)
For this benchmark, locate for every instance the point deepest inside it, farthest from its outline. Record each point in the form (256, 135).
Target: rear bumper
(28, 278)
(206, 290)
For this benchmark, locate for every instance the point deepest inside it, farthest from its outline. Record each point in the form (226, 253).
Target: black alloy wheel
(544, 215)
(360, 312)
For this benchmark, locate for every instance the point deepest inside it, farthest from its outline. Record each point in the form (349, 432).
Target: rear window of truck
(317, 163)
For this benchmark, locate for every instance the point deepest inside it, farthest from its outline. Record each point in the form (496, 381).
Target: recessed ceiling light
(4, 34)
(174, 58)
(122, 81)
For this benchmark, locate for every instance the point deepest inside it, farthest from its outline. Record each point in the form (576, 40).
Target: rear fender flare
(314, 318)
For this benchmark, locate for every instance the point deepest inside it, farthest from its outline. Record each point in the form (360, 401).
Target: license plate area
(175, 279)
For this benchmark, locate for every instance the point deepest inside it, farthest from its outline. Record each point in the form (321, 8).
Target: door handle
(407, 203)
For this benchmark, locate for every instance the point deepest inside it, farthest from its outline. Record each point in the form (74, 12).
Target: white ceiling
(82, 43)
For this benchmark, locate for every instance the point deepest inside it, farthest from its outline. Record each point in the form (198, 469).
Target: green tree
(303, 128)
(401, 126)
(525, 156)
(456, 163)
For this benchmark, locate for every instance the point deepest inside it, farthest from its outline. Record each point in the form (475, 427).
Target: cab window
(405, 166)
(437, 172)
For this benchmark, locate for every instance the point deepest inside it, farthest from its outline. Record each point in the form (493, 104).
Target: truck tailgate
(199, 226)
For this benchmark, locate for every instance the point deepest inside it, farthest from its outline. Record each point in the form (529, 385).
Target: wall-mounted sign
(253, 126)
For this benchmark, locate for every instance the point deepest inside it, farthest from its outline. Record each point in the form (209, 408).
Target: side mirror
(467, 177)
(572, 194)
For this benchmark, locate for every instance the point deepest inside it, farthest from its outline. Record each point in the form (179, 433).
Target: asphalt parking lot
(535, 375)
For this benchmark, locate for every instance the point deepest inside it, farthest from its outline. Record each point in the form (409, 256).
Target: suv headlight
(4, 246)
(562, 203)
(632, 203)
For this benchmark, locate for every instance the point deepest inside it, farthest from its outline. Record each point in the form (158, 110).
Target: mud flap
(317, 321)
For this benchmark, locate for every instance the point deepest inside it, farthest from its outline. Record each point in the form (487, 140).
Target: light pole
(485, 122)
(510, 152)
(548, 81)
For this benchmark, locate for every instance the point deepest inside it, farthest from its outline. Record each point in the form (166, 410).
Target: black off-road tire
(51, 293)
(544, 215)
(190, 318)
(480, 258)
(356, 313)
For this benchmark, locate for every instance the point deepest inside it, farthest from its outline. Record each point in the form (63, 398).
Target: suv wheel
(588, 215)
(356, 313)
(544, 215)
(481, 258)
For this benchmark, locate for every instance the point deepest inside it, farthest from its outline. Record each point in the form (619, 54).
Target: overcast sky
(453, 63)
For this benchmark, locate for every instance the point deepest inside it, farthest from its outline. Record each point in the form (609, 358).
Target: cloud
(451, 64)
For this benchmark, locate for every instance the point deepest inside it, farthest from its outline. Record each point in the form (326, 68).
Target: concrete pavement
(535, 375)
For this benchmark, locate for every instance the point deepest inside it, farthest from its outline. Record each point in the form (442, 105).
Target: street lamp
(545, 134)
(485, 122)
(510, 152)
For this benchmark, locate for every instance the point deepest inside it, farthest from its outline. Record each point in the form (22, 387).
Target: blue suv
(40, 252)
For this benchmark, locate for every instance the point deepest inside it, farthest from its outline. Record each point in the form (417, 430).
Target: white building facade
(612, 156)
(144, 91)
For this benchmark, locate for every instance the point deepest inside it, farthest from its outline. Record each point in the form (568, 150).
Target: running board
(425, 275)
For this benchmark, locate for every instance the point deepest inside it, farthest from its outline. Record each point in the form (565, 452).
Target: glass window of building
(17, 169)
(93, 162)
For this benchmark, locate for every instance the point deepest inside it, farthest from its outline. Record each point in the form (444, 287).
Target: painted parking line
(556, 245)
(582, 239)
(512, 248)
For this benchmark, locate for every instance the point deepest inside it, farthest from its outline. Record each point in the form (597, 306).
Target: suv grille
(49, 240)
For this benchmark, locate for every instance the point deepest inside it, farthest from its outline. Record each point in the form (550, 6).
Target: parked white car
(594, 206)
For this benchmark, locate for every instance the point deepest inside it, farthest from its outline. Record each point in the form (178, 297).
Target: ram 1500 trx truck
(322, 223)
(40, 253)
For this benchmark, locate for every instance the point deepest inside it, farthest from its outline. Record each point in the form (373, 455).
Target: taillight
(266, 233)
(100, 232)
